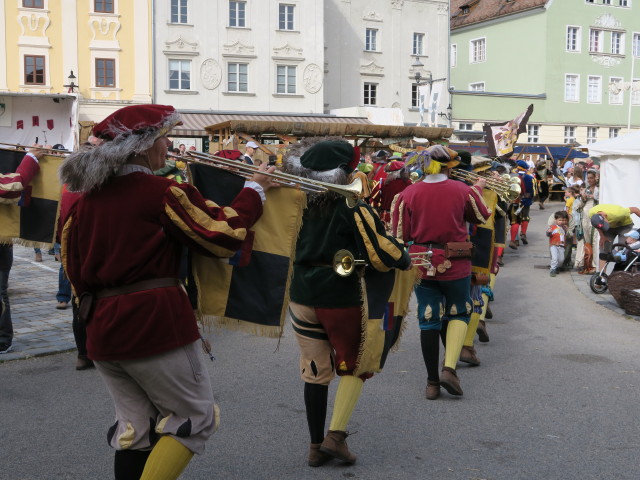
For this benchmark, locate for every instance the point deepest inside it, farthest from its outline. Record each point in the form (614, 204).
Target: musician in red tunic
(121, 248)
(431, 216)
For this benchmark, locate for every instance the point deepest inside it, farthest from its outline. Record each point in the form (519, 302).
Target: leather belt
(439, 246)
(138, 287)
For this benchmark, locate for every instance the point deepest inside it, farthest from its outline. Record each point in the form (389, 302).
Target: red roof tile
(482, 10)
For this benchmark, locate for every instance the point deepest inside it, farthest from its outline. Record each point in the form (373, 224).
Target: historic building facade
(575, 61)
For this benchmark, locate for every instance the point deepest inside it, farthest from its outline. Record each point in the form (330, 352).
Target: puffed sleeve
(205, 226)
(14, 185)
(400, 219)
(382, 250)
(476, 210)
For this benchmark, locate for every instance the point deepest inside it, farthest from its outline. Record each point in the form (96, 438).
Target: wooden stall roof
(195, 123)
(321, 128)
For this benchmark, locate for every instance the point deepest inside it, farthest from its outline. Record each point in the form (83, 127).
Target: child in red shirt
(556, 234)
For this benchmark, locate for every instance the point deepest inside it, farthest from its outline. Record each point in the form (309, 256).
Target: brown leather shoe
(62, 305)
(316, 457)
(449, 381)
(523, 237)
(483, 336)
(512, 244)
(38, 257)
(83, 363)
(468, 355)
(335, 444)
(433, 390)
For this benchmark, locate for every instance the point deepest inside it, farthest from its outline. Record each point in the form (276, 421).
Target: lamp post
(417, 65)
(448, 114)
(71, 83)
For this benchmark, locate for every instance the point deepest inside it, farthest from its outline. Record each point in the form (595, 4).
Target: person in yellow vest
(611, 221)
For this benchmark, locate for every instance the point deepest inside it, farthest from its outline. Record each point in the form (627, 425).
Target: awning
(194, 124)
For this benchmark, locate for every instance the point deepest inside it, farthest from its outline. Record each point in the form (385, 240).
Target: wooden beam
(249, 138)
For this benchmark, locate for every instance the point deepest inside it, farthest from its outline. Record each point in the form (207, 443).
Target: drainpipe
(153, 51)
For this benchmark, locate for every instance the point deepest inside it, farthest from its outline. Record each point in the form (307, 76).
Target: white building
(240, 55)
(371, 47)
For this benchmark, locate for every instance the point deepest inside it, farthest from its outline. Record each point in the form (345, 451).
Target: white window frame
(617, 48)
(236, 85)
(371, 39)
(597, 79)
(181, 62)
(635, 45)
(465, 127)
(623, 3)
(576, 87)
(454, 55)
(596, 39)
(289, 11)
(592, 134)
(569, 134)
(286, 73)
(474, 48)
(415, 96)
(181, 4)
(616, 98)
(418, 45)
(477, 87)
(614, 132)
(570, 38)
(533, 133)
(238, 21)
(635, 95)
(370, 97)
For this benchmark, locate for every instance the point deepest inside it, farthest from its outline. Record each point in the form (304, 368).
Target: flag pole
(633, 62)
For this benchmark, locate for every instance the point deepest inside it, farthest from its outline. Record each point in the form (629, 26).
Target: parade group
(123, 230)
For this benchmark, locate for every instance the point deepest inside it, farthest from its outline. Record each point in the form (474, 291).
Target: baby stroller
(624, 260)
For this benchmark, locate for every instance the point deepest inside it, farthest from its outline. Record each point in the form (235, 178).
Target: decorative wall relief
(312, 78)
(210, 74)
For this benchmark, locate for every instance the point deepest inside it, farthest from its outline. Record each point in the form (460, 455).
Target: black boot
(129, 464)
(430, 344)
(315, 401)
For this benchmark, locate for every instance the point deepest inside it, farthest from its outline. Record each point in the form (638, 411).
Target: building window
(595, 41)
(614, 132)
(238, 77)
(418, 44)
(454, 55)
(590, 1)
(617, 43)
(476, 87)
(614, 84)
(105, 72)
(34, 70)
(103, 6)
(371, 40)
(33, 3)
(592, 134)
(623, 3)
(635, 93)
(180, 74)
(286, 79)
(370, 93)
(571, 88)
(636, 45)
(573, 39)
(415, 95)
(533, 133)
(569, 134)
(237, 14)
(594, 89)
(606, 2)
(179, 11)
(285, 19)
(467, 127)
(478, 50)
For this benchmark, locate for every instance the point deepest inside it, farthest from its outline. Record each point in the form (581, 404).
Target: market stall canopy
(625, 145)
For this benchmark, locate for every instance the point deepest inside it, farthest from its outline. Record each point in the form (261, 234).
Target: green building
(576, 61)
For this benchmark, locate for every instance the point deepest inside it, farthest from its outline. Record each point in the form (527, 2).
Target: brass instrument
(421, 259)
(508, 190)
(351, 192)
(344, 263)
(26, 148)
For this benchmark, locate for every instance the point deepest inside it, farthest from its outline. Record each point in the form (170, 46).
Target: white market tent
(619, 170)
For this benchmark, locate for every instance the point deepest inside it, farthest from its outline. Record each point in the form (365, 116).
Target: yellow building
(104, 44)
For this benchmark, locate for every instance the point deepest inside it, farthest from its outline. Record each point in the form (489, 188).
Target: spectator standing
(589, 196)
(556, 234)
(249, 152)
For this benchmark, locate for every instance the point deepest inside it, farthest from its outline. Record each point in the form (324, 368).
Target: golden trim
(385, 244)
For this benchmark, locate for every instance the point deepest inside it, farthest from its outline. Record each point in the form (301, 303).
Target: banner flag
(502, 137)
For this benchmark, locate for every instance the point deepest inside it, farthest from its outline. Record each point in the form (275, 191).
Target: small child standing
(556, 234)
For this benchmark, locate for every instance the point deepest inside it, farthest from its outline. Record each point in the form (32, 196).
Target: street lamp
(447, 115)
(71, 83)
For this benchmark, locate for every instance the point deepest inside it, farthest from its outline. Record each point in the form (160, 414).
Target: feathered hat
(126, 132)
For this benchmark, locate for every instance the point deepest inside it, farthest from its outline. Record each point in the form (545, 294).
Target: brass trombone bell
(507, 190)
(344, 263)
(421, 259)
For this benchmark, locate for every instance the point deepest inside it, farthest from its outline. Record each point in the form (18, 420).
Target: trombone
(26, 148)
(508, 190)
(344, 263)
(421, 259)
(351, 192)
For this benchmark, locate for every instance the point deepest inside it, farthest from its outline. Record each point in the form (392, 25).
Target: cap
(252, 145)
(444, 155)
(331, 154)
(598, 221)
(633, 234)
(138, 119)
(394, 166)
(522, 164)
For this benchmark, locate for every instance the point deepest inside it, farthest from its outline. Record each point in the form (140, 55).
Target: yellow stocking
(347, 396)
(167, 460)
(456, 331)
(471, 329)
